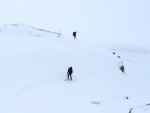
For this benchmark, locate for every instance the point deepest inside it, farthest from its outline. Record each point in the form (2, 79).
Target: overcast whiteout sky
(122, 19)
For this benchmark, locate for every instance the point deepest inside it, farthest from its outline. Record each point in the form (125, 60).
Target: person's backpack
(70, 70)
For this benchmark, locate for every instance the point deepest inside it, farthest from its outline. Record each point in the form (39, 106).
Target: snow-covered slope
(33, 65)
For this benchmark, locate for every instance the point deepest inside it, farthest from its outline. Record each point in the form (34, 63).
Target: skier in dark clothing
(74, 34)
(69, 72)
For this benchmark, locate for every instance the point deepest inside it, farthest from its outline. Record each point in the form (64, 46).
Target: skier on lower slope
(69, 73)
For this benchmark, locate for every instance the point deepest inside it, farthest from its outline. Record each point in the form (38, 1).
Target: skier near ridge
(69, 73)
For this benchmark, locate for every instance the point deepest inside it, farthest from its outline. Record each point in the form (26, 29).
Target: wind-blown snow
(33, 66)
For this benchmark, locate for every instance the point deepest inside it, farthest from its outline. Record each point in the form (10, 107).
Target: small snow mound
(95, 102)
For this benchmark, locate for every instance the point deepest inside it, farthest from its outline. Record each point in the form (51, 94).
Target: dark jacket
(70, 70)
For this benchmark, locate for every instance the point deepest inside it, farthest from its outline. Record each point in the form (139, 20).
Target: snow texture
(34, 63)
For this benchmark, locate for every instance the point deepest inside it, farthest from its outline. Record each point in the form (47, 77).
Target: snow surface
(33, 66)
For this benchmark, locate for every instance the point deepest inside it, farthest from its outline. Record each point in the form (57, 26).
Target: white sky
(126, 19)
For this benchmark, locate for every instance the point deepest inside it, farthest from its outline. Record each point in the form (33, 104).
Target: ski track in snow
(13, 97)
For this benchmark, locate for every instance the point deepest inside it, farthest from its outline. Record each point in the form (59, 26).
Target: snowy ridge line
(145, 105)
(142, 105)
(31, 27)
(127, 60)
